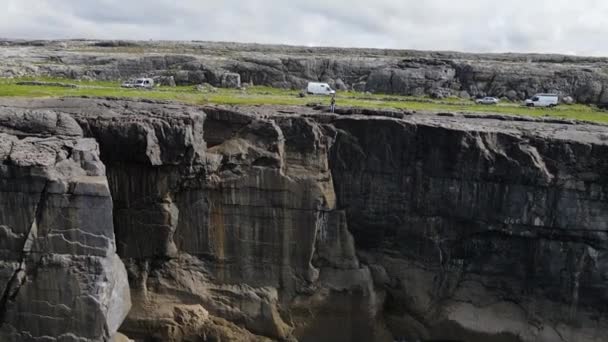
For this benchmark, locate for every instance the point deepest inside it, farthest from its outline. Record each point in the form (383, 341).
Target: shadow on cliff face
(446, 329)
(223, 124)
(407, 326)
(474, 232)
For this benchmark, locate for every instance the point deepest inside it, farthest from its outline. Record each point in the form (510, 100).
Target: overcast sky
(560, 26)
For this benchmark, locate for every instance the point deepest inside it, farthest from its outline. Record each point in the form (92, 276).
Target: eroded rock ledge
(258, 223)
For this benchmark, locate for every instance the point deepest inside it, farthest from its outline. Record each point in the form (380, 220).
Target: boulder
(512, 95)
(567, 100)
(359, 86)
(340, 85)
(464, 95)
(231, 80)
(439, 93)
(165, 81)
(205, 88)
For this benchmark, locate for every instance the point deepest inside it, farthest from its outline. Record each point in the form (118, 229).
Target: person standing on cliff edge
(332, 106)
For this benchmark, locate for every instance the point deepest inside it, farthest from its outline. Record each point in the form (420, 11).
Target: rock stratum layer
(266, 223)
(406, 72)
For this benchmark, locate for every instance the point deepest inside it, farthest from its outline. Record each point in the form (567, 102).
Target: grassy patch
(272, 96)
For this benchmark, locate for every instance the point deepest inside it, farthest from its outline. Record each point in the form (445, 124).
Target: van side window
(535, 98)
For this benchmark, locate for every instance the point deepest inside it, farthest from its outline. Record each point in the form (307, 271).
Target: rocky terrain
(438, 74)
(170, 222)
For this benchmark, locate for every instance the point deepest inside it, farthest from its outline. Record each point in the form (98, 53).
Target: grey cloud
(470, 25)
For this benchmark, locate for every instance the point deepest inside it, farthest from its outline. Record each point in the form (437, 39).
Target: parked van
(543, 100)
(146, 83)
(319, 89)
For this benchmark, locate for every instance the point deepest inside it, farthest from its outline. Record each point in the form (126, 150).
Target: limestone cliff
(481, 230)
(259, 223)
(60, 276)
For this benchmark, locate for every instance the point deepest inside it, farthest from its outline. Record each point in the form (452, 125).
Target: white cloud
(559, 26)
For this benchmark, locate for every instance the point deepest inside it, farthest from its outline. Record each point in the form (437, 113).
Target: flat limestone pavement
(405, 72)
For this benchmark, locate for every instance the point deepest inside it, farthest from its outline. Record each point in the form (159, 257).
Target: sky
(543, 26)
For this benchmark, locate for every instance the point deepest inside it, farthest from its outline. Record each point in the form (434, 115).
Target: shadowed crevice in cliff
(152, 152)
(223, 124)
(143, 198)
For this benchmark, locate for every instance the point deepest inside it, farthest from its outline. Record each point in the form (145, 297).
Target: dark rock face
(60, 277)
(514, 76)
(482, 229)
(231, 80)
(287, 223)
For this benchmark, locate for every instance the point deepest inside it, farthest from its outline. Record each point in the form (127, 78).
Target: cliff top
(124, 109)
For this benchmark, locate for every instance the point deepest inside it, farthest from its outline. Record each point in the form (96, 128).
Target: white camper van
(543, 100)
(146, 83)
(319, 89)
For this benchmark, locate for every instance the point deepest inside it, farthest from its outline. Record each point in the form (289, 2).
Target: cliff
(60, 276)
(406, 72)
(287, 223)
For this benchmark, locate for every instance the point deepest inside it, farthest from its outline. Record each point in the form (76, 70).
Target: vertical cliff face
(60, 277)
(260, 223)
(480, 231)
(240, 229)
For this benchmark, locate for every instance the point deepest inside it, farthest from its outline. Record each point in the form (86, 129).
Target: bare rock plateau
(405, 72)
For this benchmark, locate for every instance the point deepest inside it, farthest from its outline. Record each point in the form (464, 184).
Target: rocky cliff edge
(259, 223)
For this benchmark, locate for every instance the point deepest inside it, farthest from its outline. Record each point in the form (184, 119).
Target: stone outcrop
(164, 81)
(289, 223)
(60, 276)
(512, 76)
(231, 80)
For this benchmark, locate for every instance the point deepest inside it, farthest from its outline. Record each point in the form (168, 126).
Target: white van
(319, 89)
(543, 100)
(146, 83)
